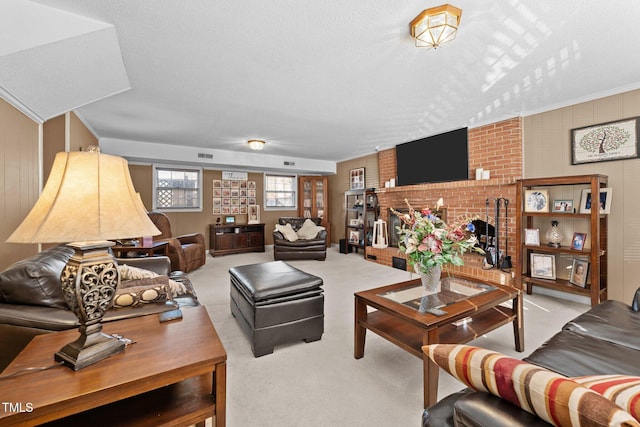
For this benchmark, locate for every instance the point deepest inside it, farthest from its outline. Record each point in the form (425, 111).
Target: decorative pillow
(287, 231)
(309, 230)
(128, 273)
(622, 390)
(137, 295)
(552, 397)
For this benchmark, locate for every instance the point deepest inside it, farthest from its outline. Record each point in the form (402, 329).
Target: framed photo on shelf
(579, 272)
(606, 194)
(253, 213)
(563, 206)
(532, 236)
(543, 266)
(354, 237)
(605, 141)
(354, 222)
(536, 201)
(356, 179)
(577, 242)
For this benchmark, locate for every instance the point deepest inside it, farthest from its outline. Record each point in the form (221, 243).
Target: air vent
(205, 156)
(289, 163)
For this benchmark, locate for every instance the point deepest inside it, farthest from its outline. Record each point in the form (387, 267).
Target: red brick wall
(496, 147)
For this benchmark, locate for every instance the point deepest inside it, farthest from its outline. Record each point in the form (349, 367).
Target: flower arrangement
(428, 241)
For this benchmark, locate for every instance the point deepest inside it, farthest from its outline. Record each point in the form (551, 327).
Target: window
(177, 189)
(280, 192)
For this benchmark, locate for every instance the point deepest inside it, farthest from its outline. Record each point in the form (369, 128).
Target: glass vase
(431, 279)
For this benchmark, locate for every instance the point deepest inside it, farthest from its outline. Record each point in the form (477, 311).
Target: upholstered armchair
(186, 252)
(293, 239)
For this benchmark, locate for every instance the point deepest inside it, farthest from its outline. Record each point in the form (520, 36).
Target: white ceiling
(334, 79)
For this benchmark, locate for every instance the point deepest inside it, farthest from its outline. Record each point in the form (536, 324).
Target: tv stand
(227, 239)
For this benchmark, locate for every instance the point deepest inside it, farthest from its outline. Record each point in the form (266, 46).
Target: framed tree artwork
(606, 141)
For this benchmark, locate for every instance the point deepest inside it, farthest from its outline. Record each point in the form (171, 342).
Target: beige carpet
(320, 383)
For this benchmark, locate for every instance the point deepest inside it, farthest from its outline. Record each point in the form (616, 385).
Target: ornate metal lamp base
(89, 282)
(81, 353)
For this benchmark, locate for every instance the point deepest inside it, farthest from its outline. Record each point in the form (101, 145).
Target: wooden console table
(162, 247)
(174, 374)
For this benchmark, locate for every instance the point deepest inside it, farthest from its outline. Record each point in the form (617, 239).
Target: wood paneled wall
(19, 180)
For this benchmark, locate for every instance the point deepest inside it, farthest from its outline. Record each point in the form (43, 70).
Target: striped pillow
(623, 390)
(552, 397)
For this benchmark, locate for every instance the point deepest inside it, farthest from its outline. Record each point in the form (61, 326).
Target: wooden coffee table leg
(360, 311)
(431, 371)
(518, 323)
(220, 390)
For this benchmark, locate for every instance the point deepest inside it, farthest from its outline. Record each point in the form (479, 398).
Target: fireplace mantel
(448, 185)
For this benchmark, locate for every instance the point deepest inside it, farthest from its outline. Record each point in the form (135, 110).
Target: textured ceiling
(335, 79)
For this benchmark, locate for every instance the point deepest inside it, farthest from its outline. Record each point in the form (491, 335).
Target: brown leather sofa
(315, 248)
(32, 303)
(187, 252)
(604, 340)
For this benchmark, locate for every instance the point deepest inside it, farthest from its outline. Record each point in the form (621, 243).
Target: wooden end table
(174, 374)
(160, 247)
(401, 317)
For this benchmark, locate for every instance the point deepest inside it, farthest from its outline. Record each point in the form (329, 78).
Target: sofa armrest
(194, 238)
(158, 264)
(635, 305)
(483, 409)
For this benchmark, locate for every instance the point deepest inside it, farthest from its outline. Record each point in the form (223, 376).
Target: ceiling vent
(205, 156)
(289, 163)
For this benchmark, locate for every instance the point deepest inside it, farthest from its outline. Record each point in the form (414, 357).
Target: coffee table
(174, 374)
(401, 316)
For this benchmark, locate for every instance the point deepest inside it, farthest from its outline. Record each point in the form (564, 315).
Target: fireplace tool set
(495, 258)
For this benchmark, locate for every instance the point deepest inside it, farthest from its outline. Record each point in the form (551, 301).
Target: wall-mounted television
(437, 158)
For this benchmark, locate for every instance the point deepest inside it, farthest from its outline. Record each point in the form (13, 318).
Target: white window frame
(294, 177)
(157, 167)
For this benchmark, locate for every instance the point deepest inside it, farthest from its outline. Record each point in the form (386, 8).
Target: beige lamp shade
(88, 196)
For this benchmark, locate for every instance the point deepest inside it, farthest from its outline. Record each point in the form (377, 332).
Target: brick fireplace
(496, 147)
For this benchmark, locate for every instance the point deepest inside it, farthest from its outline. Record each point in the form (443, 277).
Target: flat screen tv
(437, 158)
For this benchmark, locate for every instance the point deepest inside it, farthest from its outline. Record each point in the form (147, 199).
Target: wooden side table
(174, 374)
(161, 247)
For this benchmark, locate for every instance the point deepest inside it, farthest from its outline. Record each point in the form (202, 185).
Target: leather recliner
(315, 248)
(187, 252)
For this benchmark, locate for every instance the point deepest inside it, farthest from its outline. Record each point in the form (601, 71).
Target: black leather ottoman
(275, 303)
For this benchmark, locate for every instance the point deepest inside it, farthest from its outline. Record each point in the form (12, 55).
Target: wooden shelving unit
(595, 249)
(362, 210)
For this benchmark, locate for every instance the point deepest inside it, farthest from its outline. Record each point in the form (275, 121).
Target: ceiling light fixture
(435, 26)
(256, 144)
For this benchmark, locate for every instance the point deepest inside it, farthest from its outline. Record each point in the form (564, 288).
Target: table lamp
(88, 199)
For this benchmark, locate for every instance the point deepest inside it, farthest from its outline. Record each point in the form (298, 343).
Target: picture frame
(532, 236)
(354, 237)
(577, 243)
(229, 219)
(605, 142)
(606, 196)
(579, 272)
(253, 214)
(562, 206)
(536, 200)
(354, 222)
(356, 179)
(543, 266)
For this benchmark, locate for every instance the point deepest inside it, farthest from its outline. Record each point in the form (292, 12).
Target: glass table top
(453, 289)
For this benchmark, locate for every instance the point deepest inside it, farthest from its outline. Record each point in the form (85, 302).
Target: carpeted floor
(320, 383)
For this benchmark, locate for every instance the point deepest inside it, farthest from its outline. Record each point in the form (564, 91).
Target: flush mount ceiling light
(256, 144)
(436, 26)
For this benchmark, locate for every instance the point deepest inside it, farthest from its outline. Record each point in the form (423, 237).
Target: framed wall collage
(233, 196)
